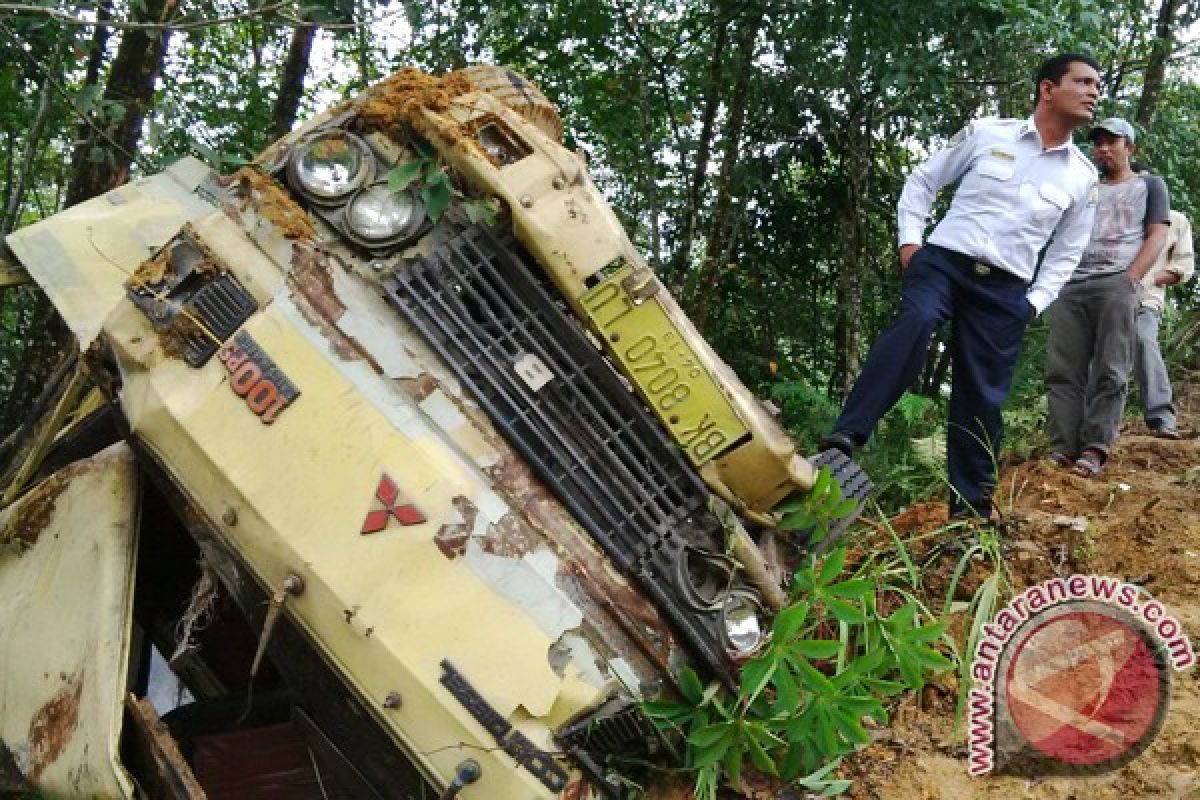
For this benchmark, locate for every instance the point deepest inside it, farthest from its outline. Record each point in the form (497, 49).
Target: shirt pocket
(1051, 201)
(995, 170)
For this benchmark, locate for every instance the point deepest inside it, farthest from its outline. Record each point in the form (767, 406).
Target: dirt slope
(1144, 514)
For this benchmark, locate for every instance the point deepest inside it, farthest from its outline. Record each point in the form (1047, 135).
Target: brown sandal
(1089, 464)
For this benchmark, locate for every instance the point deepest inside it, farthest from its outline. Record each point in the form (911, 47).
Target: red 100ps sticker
(256, 378)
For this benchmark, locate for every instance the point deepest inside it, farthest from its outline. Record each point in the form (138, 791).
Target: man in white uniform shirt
(1023, 184)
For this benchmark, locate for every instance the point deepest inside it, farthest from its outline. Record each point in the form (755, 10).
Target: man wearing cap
(1175, 265)
(1022, 184)
(1092, 323)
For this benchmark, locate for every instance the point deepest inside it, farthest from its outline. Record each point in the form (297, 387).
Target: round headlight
(705, 577)
(741, 619)
(331, 166)
(378, 215)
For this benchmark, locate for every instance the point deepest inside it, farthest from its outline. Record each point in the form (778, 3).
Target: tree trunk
(1164, 45)
(718, 235)
(691, 213)
(291, 81)
(12, 210)
(853, 224)
(103, 159)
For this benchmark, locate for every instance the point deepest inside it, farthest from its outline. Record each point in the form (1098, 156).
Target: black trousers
(988, 314)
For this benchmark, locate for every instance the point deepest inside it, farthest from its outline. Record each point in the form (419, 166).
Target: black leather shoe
(837, 441)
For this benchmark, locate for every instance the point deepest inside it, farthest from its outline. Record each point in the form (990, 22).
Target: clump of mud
(152, 271)
(273, 204)
(392, 101)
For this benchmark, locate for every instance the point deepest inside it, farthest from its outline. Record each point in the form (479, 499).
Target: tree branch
(284, 20)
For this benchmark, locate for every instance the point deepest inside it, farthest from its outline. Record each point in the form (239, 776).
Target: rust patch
(313, 278)
(511, 538)
(452, 538)
(34, 511)
(53, 726)
(420, 387)
(638, 618)
(397, 98)
(274, 204)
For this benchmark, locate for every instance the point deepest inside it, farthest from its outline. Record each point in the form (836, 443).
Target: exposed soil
(1143, 525)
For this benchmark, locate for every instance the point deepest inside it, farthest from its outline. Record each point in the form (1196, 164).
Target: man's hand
(906, 254)
(1166, 278)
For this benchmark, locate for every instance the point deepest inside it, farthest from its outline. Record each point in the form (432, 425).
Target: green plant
(984, 548)
(807, 411)
(817, 509)
(434, 185)
(844, 645)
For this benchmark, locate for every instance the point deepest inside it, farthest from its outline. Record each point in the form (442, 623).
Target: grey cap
(1116, 126)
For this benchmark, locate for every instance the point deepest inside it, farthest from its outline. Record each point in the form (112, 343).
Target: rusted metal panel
(66, 577)
(159, 764)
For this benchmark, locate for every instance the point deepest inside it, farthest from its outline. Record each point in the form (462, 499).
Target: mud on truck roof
(398, 452)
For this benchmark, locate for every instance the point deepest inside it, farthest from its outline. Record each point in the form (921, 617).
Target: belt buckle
(982, 269)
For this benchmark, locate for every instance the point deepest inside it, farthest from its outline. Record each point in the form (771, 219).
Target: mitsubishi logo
(386, 497)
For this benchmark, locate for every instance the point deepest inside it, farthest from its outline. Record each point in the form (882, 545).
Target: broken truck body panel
(66, 587)
(418, 440)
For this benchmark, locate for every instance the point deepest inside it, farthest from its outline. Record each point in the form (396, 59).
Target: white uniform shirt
(1013, 197)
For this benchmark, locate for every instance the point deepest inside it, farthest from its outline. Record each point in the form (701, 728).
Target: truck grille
(562, 406)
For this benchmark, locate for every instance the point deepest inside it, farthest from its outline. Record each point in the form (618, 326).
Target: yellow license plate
(660, 362)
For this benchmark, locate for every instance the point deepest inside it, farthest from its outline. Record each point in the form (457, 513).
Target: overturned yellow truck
(391, 453)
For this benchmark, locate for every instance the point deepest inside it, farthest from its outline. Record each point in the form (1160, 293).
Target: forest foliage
(754, 150)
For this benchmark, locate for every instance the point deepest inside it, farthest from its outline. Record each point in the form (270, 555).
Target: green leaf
(787, 693)
(731, 762)
(884, 687)
(931, 659)
(812, 677)
(709, 735)
(759, 757)
(926, 632)
(910, 669)
(403, 175)
(665, 709)
(480, 211)
(832, 566)
(436, 197)
(793, 762)
(690, 686)
(851, 590)
(817, 648)
(713, 753)
(902, 619)
(756, 674)
(845, 612)
(849, 726)
(788, 621)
